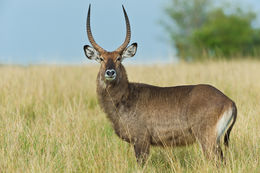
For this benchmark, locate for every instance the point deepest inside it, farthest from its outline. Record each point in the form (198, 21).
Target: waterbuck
(146, 115)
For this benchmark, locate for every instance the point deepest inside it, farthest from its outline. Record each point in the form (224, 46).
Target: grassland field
(50, 120)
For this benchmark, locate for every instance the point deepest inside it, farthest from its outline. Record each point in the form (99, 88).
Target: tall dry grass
(50, 120)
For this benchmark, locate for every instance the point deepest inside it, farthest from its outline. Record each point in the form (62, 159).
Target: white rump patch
(223, 123)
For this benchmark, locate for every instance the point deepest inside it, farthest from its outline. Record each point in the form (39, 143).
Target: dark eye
(101, 59)
(118, 59)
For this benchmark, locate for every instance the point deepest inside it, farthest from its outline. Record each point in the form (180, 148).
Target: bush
(226, 35)
(197, 29)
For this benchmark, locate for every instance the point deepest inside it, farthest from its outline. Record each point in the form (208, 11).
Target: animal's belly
(172, 137)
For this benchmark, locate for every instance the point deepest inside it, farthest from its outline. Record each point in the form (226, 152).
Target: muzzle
(110, 74)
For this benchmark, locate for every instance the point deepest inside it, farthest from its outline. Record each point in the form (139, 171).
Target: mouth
(108, 78)
(110, 75)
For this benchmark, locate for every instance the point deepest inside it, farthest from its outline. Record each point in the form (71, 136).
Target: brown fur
(147, 115)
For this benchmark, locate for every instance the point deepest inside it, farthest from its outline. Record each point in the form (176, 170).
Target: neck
(110, 94)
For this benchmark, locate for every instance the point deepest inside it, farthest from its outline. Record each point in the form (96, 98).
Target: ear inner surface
(91, 53)
(130, 51)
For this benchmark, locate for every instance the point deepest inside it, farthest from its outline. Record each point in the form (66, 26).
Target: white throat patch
(102, 83)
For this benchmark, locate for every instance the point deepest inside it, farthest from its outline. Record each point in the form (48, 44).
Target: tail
(234, 115)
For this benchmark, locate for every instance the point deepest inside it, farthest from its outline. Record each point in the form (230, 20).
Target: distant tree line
(198, 29)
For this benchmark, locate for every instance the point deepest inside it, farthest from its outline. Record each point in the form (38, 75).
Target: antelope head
(110, 61)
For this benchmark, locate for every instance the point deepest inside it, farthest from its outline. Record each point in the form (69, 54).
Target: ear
(130, 51)
(91, 53)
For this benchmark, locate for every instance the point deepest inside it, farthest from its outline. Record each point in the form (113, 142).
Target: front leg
(142, 149)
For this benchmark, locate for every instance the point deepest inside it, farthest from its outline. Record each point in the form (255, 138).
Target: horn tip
(123, 7)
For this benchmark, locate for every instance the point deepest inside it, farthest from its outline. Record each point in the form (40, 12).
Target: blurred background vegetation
(202, 29)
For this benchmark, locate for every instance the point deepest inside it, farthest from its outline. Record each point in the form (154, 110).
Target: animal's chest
(125, 127)
(123, 118)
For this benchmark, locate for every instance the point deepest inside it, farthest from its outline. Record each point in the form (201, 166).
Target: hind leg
(212, 152)
(210, 147)
(219, 153)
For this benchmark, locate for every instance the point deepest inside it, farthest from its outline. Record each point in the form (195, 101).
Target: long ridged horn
(128, 33)
(90, 36)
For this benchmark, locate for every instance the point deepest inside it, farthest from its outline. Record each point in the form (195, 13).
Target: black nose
(110, 73)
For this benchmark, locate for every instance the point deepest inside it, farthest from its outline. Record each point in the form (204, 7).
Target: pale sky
(53, 31)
